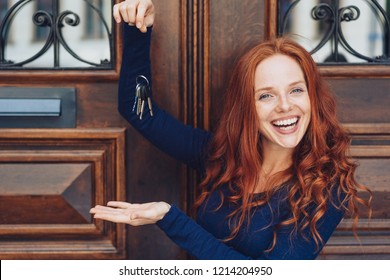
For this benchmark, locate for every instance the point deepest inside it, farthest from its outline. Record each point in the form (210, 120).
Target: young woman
(276, 176)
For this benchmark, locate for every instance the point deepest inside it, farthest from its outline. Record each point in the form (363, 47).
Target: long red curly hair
(320, 161)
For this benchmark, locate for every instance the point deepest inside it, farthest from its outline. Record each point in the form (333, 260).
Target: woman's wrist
(164, 209)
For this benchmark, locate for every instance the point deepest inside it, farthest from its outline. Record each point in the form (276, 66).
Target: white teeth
(287, 122)
(287, 127)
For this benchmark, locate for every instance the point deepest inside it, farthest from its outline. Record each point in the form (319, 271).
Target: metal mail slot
(30, 107)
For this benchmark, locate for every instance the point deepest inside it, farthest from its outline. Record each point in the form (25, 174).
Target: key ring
(141, 77)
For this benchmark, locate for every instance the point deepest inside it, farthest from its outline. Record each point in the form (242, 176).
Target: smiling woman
(277, 179)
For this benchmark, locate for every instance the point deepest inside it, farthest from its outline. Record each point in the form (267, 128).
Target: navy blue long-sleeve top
(203, 238)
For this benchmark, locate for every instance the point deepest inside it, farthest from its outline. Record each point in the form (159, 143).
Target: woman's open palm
(131, 213)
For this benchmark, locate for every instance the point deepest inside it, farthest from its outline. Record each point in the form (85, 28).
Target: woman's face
(282, 102)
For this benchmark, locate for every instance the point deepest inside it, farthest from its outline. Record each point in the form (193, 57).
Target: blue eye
(265, 96)
(297, 90)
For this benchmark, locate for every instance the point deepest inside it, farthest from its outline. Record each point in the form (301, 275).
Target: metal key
(136, 98)
(143, 98)
(149, 99)
(139, 100)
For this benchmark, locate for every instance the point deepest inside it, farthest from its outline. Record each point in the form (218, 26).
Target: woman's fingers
(113, 217)
(135, 12)
(141, 18)
(116, 14)
(119, 204)
(125, 11)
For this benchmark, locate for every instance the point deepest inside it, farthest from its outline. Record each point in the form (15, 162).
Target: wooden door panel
(45, 193)
(371, 149)
(49, 181)
(363, 100)
(235, 27)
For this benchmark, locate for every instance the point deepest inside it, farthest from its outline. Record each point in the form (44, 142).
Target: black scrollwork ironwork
(55, 22)
(334, 15)
(326, 13)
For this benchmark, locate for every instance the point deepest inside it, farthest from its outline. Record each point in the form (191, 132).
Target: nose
(284, 104)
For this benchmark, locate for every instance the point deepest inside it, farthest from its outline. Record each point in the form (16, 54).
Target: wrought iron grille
(331, 17)
(50, 25)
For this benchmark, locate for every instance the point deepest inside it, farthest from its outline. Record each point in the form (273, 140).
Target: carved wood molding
(357, 129)
(50, 180)
(195, 74)
(271, 16)
(195, 61)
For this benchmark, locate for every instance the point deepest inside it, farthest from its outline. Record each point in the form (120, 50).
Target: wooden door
(54, 175)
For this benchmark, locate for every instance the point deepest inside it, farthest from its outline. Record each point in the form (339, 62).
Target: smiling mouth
(286, 124)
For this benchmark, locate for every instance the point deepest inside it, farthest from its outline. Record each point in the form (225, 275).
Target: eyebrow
(270, 88)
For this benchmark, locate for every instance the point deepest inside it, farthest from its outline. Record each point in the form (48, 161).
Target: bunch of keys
(142, 95)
